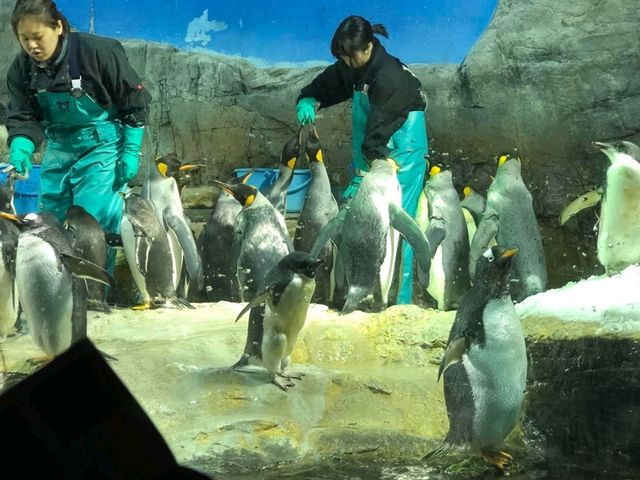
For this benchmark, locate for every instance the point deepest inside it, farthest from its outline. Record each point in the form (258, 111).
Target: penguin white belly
(45, 294)
(283, 323)
(437, 278)
(176, 256)
(471, 224)
(129, 246)
(381, 204)
(618, 244)
(8, 302)
(497, 374)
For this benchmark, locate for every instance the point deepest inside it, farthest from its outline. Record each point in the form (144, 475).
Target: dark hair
(38, 8)
(353, 34)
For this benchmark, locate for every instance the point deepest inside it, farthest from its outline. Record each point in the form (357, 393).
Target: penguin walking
(446, 232)
(509, 219)
(319, 208)
(148, 253)
(274, 327)
(50, 282)
(260, 237)
(366, 233)
(484, 364)
(619, 225)
(161, 189)
(277, 192)
(89, 242)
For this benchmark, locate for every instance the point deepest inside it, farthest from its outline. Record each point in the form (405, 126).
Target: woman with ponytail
(388, 114)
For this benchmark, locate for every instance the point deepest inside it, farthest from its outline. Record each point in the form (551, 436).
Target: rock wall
(547, 78)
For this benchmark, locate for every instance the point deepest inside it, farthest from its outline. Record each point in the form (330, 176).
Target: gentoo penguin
(49, 276)
(286, 292)
(214, 243)
(484, 364)
(619, 225)
(147, 250)
(366, 233)
(319, 207)
(89, 242)
(446, 232)
(277, 192)
(510, 220)
(260, 238)
(473, 205)
(161, 189)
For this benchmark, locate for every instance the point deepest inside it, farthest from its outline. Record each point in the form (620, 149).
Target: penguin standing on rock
(89, 242)
(260, 238)
(161, 189)
(49, 276)
(146, 247)
(273, 329)
(485, 364)
(319, 208)
(509, 219)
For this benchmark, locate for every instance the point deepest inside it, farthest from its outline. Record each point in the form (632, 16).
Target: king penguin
(619, 225)
(161, 189)
(9, 303)
(274, 327)
(49, 276)
(89, 242)
(214, 243)
(509, 219)
(319, 208)
(148, 253)
(484, 364)
(446, 232)
(277, 192)
(366, 233)
(260, 237)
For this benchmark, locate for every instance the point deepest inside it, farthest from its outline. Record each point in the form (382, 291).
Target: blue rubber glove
(127, 165)
(20, 152)
(306, 110)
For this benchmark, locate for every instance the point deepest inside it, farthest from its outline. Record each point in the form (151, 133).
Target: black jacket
(106, 74)
(392, 89)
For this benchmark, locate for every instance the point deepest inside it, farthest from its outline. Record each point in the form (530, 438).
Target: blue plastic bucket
(263, 177)
(26, 194)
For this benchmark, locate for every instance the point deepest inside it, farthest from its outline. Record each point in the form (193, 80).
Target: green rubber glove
(127, 165)
(20, 152)
(351, 189)
(306, 110)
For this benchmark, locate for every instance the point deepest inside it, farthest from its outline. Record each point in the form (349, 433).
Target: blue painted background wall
(284, 31)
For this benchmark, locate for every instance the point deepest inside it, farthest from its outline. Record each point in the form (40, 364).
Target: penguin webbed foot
(291, 375)
(142, 306)
(497, 458)
(282, 386)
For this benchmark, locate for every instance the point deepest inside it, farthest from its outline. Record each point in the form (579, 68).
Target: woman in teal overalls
(80, 92)
(387, 113)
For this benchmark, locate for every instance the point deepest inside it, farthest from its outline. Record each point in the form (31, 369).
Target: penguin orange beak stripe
(189, 166)
(509, 253)
(10, 216)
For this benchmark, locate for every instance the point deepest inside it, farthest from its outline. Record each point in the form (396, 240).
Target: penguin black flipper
(331, 231)
(487, 231)
(82, 268)
(435, 232)
(187, 243)
(465, 329)
(257, 300)
(79, 312)
(409, 229)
